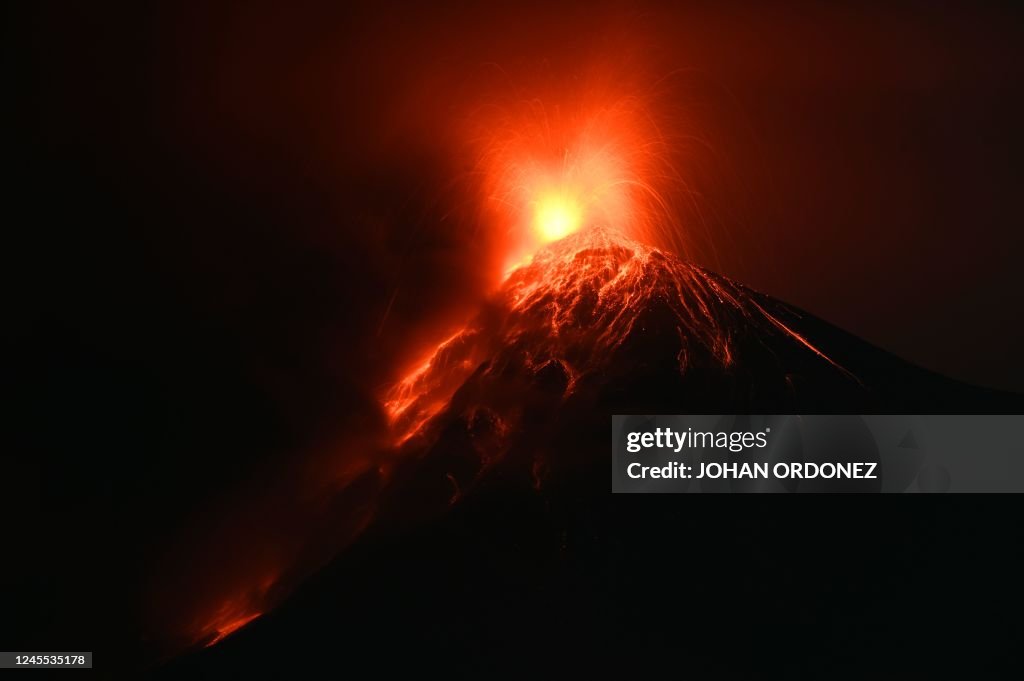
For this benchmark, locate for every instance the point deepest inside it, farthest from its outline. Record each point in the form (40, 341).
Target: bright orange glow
(558, 215)
(591, 156)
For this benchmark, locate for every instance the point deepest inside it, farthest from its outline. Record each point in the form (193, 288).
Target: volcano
(599, 322)
(496, 540)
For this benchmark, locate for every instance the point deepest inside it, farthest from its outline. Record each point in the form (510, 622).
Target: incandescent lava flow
(597, 324)
(595, 305)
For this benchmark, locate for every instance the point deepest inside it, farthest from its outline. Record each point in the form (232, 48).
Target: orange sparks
(588, 156)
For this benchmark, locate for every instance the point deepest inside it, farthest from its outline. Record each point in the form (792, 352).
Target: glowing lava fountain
(548, 171)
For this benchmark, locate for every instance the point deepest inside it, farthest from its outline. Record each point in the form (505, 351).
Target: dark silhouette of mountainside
(499, 550)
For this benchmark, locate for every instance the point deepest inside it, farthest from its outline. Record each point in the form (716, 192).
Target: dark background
(225, 227)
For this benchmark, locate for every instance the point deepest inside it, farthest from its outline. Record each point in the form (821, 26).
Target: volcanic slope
(596, 321)
(496, 537)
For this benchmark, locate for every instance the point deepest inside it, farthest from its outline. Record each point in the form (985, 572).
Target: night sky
(228, 226)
